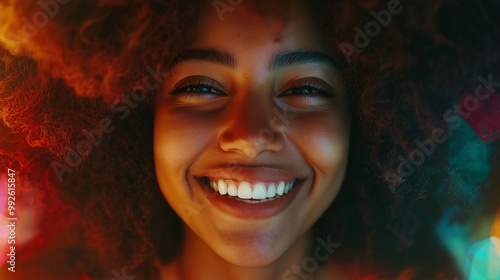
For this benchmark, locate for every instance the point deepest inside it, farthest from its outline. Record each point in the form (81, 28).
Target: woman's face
(255, 105)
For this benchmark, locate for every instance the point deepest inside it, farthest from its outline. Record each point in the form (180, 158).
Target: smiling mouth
(248, 192)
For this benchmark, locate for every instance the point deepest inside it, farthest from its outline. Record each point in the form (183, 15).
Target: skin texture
(195, 134)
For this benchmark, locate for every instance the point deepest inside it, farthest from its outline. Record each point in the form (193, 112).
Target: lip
(250, 173)
(245, 210)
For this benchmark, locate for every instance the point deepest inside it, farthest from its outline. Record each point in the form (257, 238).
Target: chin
(251, 251)
(250, 257)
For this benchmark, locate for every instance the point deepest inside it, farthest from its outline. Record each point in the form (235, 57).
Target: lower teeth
(253, 201)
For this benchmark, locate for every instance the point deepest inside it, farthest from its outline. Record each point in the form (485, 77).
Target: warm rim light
(495, 227)
(495, 230)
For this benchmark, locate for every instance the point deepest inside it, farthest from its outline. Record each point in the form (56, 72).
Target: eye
(308, 88)
(305, 90)
(198, 87)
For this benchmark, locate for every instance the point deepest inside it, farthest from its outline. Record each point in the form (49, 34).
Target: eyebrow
(280, 60)
(209, 55)
(293, 58)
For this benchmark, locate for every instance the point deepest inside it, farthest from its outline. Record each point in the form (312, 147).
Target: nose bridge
(249, 125)
(252, 114)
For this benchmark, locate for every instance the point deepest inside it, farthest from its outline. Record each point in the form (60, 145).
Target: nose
(249, 128)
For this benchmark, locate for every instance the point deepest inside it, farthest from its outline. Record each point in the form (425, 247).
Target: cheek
(323, 140)
(178, 139)
(177, 143)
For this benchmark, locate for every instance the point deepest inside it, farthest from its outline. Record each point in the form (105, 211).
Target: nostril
(252, 146)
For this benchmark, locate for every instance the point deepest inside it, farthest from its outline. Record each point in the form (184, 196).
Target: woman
(214, 127)
(275, 133)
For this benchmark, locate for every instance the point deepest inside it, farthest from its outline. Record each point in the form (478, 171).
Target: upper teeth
(246, 190)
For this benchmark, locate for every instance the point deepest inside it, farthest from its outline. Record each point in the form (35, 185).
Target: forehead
(249, 25)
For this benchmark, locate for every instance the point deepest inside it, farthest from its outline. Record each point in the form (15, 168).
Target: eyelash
(182, 88)
(185, 89)
(309, 86)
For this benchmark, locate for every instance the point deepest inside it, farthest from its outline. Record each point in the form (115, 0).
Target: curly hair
(59, 79)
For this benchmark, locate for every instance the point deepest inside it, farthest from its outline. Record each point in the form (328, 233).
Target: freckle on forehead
(278, 27)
